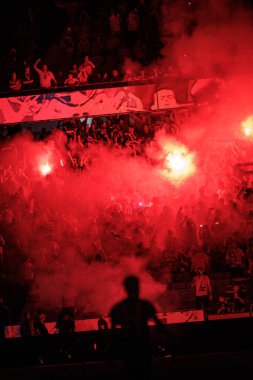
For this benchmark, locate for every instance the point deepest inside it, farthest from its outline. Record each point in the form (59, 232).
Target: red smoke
(207, 38)
(80, 230)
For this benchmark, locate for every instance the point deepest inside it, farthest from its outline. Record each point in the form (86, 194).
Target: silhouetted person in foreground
(132, 315)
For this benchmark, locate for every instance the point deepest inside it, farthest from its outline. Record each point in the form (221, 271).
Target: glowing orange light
(179, 163)
(45, 169)
(247, 131)
(247, 126)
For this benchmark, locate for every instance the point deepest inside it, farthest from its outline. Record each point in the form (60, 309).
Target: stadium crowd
(211, 232)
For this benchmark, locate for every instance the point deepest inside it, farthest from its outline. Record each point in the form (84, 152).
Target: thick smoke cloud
(207, 38)
(80, 230)
(59, 220)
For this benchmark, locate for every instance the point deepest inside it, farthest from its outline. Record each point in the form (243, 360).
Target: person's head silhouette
(131, 284)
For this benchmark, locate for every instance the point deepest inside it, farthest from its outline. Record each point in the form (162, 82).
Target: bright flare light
(247, 126)
(179, 163)
(45, 169)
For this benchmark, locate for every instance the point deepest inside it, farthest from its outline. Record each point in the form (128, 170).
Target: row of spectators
(82, 74)
(133, 131)
(126, 39)
(110, 33)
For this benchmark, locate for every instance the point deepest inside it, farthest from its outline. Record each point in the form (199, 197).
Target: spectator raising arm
(46, 76)
(35, 66)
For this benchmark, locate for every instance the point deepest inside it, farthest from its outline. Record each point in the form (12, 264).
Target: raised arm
(92, 64)
(35, 66)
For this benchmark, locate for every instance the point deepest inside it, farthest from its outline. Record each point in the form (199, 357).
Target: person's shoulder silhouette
(132, 314)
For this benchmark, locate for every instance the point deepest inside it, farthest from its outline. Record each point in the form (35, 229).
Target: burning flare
(179, 163)
(247, 126)
(45, 169)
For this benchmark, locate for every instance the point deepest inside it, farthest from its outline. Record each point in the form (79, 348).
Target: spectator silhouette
(66, 326)
(27, 325)
(103, 344)
(102, 323)
(132, 315)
